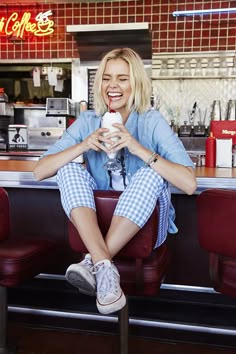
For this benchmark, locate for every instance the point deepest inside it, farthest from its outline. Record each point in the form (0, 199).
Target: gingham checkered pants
(136, 202)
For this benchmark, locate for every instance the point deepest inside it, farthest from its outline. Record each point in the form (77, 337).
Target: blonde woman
(150, 157)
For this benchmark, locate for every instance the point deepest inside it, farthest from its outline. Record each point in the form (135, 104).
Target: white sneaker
(110, 297)
(81, 276)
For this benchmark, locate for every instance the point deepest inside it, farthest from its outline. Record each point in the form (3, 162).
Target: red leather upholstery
(216, 213)
(144, 276)
(105, 204)
(4, 215)
(20, 259)
(142, 269)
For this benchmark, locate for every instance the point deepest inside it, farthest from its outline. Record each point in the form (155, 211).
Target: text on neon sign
(42, 26)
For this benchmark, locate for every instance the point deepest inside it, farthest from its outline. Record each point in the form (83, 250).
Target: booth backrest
(142, 243)
(216, 210)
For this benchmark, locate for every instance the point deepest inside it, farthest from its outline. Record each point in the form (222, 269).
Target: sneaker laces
(87, 262)
(108, 279)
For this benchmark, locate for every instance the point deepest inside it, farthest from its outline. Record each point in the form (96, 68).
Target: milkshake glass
(108, 120)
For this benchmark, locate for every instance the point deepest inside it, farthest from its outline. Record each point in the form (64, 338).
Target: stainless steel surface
(35, 117)
(5, 120)
(132, 321)
(43, 131)
(18, 158)
(21, 155)
(60, 107)
(3, 139)
(27, 180)
(185, 130)
(194, 144)
(216, 110)
(43, 121)
(43, 137)
(231, 110)
(6, 109)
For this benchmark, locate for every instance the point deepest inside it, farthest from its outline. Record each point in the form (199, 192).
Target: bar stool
(141, 268)
(20, 261)
(216, 212)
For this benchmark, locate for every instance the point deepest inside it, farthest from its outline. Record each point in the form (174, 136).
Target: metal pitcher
(231, 110)
(216, 110)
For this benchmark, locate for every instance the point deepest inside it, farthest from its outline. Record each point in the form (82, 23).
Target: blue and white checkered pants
(136, 202)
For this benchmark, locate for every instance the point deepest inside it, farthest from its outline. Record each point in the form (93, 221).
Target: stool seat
(142, 269)
(143, 277)
(22, 259)
(216, 210)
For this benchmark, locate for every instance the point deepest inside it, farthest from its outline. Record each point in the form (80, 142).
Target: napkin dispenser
(224, 153)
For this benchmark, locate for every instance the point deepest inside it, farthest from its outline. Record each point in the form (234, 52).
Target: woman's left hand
(125, 139)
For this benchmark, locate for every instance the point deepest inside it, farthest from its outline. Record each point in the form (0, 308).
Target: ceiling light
(204, 12)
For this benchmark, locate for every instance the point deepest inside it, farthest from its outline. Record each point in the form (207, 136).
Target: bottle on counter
(3, 95)
(210, 160)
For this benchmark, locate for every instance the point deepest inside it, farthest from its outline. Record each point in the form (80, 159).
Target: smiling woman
(126, 65)
(116, 87)
(149, 157)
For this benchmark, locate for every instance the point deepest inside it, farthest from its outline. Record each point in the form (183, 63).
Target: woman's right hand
(49, 165)
(96, 140)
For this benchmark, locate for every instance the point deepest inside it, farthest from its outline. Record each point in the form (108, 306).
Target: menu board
(91, 77)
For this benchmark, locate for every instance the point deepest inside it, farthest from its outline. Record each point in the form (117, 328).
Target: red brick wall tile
(169, 34)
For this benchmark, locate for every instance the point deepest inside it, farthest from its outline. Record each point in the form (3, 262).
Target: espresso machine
(6, 118)
(45, 124)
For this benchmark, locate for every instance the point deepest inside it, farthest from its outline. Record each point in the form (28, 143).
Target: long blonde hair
(140, 83)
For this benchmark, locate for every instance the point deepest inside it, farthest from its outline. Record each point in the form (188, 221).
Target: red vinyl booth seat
(142, 269)
(20, 261)
(216, 216)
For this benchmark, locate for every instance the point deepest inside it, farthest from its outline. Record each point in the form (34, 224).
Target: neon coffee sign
(18, 25)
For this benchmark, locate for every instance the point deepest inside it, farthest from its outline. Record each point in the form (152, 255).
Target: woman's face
(116, 88)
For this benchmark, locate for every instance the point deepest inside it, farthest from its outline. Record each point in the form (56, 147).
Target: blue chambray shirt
(152, 131)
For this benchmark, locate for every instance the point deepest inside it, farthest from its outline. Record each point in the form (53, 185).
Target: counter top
(19, 174)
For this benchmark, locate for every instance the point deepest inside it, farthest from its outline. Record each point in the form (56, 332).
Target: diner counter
(19, 174)
(36, 210)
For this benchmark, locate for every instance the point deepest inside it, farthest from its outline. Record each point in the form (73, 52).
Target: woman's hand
(96, 140)
(125, 139)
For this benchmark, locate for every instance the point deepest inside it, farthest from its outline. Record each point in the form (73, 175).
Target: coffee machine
(42, 131)
(6, 118)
